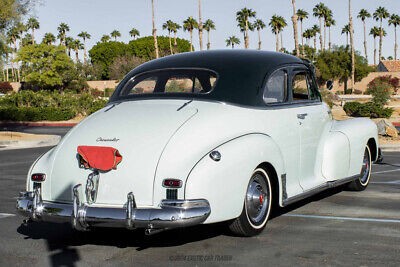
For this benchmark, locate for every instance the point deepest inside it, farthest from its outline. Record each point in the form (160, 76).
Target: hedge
(5, 87)
(369, 109)
(35, 114)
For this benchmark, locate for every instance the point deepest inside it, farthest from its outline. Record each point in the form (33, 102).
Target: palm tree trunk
(208, 40)
(380, 42)
(277, 39)
(7, 67)
(33, 36)
(259, 39)
(296, 36)
(154, 31)
(281, 41)
(330, 44)
(84, 51)
(191, 40)
(320, 35)
(347, 39)
(200, 28)
(353, 63)
(12, 68)
(170, 42)
(365, 41)
(175, 43)
(302, 38)
(374, 50)
(76, 55)
(315, 44)
(395, 42)
(16, 48)
(233, 45)
(246, 36)
(324, 33)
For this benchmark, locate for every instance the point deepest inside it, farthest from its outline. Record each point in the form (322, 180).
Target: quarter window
(276, 88)
(302, 87)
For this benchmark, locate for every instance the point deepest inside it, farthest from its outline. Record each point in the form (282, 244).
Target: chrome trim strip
(318, 189)
(171, 214)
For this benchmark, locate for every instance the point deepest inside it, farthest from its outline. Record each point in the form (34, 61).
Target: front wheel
(362, 182)
(256, 207)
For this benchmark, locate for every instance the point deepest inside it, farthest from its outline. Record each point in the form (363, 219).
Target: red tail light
(172, 183)
(38, 177)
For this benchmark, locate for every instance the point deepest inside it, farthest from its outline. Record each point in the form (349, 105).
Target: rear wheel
(362, 182)
(257, 205)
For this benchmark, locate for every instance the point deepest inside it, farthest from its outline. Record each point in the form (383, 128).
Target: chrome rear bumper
(171, 214)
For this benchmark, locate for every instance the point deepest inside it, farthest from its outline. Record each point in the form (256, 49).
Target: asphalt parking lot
(335, 227)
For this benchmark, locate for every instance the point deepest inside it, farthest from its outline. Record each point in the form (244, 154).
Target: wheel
(257, 206)
(362, 182)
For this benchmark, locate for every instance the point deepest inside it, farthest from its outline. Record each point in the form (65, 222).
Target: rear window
(177, 81)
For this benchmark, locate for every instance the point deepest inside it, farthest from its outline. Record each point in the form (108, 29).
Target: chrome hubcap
(365, 167)
(257, 199)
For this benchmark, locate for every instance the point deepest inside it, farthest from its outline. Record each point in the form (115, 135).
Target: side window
(144, 87)
(302, 86)
(183, 84)
(276, 87)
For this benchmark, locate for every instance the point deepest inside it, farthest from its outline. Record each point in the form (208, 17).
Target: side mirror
(329, 85)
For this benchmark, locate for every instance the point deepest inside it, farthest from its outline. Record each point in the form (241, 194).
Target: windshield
(176, 81)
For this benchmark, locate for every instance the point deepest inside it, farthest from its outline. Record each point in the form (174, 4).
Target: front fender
(224, 183)
(358, 132)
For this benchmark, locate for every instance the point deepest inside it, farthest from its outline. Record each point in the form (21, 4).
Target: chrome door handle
(302, 116)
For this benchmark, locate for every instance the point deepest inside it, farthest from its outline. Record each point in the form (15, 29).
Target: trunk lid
(139, 130)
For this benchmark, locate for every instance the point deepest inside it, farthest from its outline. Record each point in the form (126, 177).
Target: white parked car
(199, 138)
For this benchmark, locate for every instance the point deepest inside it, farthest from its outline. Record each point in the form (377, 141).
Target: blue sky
(100, 17)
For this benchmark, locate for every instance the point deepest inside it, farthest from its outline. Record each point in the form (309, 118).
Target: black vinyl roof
(240, 72)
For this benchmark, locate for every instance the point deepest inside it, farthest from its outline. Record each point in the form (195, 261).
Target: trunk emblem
(92, 185)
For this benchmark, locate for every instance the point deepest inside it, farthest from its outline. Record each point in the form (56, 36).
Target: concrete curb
(390, 147)
(52, 140)
(47, 124)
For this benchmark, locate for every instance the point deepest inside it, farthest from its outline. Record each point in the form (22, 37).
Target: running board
(318, 189)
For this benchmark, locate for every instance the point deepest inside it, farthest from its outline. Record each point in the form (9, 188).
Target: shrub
(35, 114)
(380, 91)
(99, 104)
(357, 92)
(109, 92)
(122, 65)
(387, 79)
(369, 109)
(5, 87)
(327, 97)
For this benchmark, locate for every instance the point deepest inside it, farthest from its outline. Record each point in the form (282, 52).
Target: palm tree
(62, 30)
(242, 16)
(48, 38)
(208, 26)
(296, 36)
(375, 32)
(327, 14)
(105, 38)
(259, 25)
(319, 11)
(380, 14)
(329, 23)
(14, 34)
(77, 45)
(84, 36)
(69, 44)
(363, 15)
(346, 30)
(232, 41)
(316, 29)
(283, 24)
(277, 23)
(395, 21)
(169, 26)
(133, 33)
(200, 27)
(154, 30)
(301, 15)
(115, 34)
(176, 28)
(308, 34)
(353, 63)
(189, 25)
(33, 24)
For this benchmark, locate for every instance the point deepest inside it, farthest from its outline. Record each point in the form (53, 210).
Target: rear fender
(224, 183)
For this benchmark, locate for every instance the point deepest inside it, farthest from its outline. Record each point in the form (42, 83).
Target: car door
(313, 120)
(281, 124)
